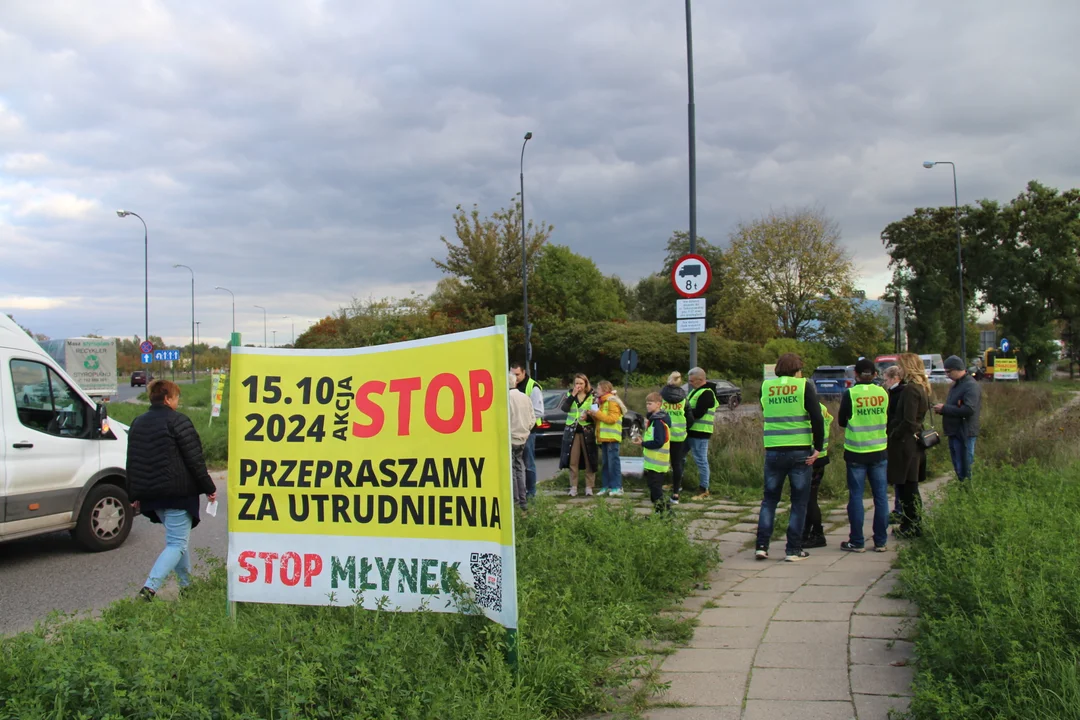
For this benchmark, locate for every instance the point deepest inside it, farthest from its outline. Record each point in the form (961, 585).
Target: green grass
(592, 583)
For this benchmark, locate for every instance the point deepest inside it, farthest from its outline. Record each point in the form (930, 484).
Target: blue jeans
(699, 448)
(879, 483)
(530, 466)
(610, 467)
(175, 556)
(962, 451)
(778, 465)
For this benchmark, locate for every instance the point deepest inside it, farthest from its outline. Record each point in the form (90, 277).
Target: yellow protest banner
(373, 472)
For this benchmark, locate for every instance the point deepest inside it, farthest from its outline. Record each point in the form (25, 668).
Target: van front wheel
(105, 520)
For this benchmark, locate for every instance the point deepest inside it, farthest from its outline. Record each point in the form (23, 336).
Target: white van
(935, 368)
(61, 460)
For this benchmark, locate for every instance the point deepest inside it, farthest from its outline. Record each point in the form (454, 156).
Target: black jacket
(165, 457)
(960, 414)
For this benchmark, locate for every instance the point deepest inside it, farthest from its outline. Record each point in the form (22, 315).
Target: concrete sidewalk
(814, 640)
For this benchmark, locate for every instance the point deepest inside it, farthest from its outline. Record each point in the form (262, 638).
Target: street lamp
(178, 265)
(524, 267)
(928, 164)
(264, 323)
(146, 271)
(275, 337)
(233, 309)
(198, 330)
(292, 327)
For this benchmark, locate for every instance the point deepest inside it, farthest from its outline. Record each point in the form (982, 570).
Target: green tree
(377, 322)
(569, 287)
(793, 261)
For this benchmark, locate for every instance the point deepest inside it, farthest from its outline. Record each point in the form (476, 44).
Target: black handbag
(929, 438)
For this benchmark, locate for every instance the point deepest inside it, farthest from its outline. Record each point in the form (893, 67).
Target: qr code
(487, 580)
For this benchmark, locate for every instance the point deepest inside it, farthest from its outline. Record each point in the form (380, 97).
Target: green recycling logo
(91, 362)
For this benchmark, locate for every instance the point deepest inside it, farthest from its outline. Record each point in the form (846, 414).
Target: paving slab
(879, 626)
(736, 617)
(843, 576)
(695, 602)
(874, 605)
(736, 598)
(767, 584)
(715, 636)
(823, 633)
(827, 594)
(798, 684)
(870, 651)
(694, 713)
(709, 660)
(876, 707)
(739, 537)
(796, 710)
(744, 527)
(887, 584)
(881, 680)
(801, 655)
(788, 570)
(815, 612)
(712, 689)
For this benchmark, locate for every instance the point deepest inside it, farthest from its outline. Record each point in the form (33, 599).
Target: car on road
(549, 436)
(728, 393)
(140, 377)
(63, 462)
(832, 380)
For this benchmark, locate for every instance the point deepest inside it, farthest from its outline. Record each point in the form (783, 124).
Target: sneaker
(674, 499)
(615, 492)
(601, 492)
(814, 541)
(703, 495)
(852, 548)
(146, 594)
(573, 491)
(797, 557)
(761, 553)
(588, 492)
(881, 548)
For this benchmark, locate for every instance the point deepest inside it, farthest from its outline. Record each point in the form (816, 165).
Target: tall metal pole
(292, 327)
(264, 323)
(146, 271)
(233, 307)
(693, 154)
(959, 256)
(524, 266)
(192, 319)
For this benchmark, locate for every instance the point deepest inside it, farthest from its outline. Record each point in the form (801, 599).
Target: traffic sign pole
(691, 277)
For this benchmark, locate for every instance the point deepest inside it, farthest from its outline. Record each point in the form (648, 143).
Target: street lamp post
(275, 337)
(146, 272)
(692, 149)
(292, 327)
(264, 323)
(928, 164)
(524, 267)
(233, 308)
(179, 265)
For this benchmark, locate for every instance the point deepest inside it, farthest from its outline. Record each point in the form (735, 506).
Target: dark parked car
(140, 377)
(833, 379)
(549, 436)
(728, 393)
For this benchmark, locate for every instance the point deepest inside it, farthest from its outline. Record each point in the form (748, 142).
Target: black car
(549, 436)
(728, 393)
(139, 377)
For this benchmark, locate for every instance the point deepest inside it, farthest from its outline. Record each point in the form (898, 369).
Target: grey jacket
(960, 414)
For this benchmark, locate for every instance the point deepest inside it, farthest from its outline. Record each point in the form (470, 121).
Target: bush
(998, 590)
(591, 585)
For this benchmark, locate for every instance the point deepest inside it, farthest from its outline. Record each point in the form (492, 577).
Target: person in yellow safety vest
(700, 406)
(794, 435)
(656, 449)
(813, 530)
(535, 393)
(579, 434)
(607, 413)
(674, 404)
(864, 412)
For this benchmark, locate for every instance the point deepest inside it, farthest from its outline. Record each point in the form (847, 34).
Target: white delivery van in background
(61, 460)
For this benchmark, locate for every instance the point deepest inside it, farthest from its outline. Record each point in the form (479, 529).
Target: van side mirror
(101, 422)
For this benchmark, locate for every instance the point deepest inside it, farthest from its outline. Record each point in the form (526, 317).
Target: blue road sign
(147, 358)
(1004, 344)
(146, 347)
(166, 355)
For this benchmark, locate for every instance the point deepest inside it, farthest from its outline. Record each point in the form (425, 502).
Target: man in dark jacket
(166, 474)
(960, 416)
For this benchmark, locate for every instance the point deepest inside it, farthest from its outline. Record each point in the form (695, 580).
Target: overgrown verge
(591, 584)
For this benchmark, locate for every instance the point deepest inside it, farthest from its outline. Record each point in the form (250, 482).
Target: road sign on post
(691, 276)
(146, 347)
(628, 363)
(1004, 345)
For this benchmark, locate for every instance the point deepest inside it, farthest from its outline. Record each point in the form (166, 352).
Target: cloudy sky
(302, 153)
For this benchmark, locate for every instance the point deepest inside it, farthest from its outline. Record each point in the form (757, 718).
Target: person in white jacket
(522, 419)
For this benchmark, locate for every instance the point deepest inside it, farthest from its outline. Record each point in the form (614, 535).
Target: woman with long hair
(576, 405)
(907, 458)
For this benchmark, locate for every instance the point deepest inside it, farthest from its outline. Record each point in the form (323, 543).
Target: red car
(140, 377)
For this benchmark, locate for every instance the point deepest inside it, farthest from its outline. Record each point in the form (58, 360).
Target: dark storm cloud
(302, 153)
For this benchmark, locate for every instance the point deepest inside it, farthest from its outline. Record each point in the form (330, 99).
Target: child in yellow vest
(656, 444)
(607, 414)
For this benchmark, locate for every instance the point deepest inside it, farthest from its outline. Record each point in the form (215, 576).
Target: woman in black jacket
(907, 459)
(166, 474)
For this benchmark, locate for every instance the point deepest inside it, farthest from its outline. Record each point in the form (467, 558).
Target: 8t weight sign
(691, 276)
